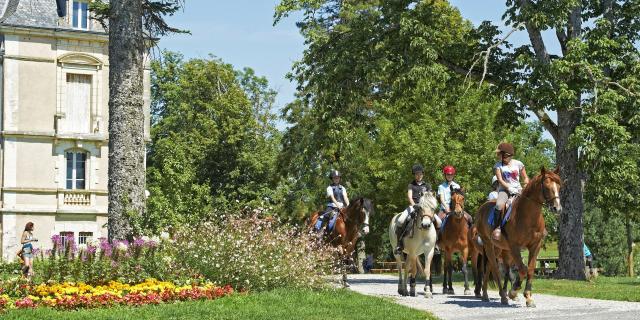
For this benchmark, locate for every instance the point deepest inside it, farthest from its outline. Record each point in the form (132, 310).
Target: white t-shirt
(510, 173)
(330, 193)
(446, 191)
(492, 196)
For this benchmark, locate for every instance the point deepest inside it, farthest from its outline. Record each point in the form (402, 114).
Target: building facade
(54, 93)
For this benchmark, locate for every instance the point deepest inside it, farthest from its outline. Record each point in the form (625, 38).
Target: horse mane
(428, 201)
(365, 203)
(537, 180)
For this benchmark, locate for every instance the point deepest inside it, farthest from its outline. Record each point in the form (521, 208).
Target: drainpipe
(2, 149)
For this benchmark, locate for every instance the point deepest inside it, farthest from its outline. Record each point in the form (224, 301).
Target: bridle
(548, 201)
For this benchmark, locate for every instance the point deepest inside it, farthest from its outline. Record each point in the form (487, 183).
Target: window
(77, 113)
(76, 168)
(80, 15)
(66, 237)
(84, 237)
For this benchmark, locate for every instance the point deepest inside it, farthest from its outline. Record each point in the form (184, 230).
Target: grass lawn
(274, 305)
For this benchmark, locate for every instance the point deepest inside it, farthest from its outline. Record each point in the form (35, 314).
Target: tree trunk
(571, 264)
(126, 117)
(629, 246)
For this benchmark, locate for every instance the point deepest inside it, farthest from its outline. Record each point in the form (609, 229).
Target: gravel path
(460, 307)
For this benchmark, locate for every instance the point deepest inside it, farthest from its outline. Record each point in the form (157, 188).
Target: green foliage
(605, 235)
(376, 95)
(254, 254)
(276, 304)
(214, 142)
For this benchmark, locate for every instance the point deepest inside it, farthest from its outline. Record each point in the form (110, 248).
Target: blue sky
(241, 33)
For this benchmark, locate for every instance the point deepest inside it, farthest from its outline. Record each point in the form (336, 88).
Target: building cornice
(53, 136)
(53, 211)
(54, 190)
(55, 33)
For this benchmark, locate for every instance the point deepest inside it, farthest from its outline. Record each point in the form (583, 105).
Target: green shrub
(254, 254)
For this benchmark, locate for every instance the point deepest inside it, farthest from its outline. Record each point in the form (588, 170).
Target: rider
(444, 194)
(337, 195)
(508, 172)
(493, 195)
(415, 190)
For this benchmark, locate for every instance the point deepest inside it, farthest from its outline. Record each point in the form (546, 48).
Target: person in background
(27, 240)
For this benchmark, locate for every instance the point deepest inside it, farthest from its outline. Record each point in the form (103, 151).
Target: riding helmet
(449, 170)
(417, 168)
(334, 173)
(506, 147)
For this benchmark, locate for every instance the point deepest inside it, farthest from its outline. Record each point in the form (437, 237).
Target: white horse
(422, 241)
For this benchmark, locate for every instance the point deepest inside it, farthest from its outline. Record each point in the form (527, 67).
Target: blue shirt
(586, 250)
(446, 191)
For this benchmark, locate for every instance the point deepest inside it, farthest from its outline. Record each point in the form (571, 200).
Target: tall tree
(593, 72)
(132, 25)
(214, 142)
(373, 99)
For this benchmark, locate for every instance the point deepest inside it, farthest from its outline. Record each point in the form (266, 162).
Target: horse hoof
(478, 295)
(485, 298)
(513, 295)
(444, 291)
(531, 304)
(402, 292)
(450, 291)
(504, 301)
(428, 294)
(346, 285)
(467, 292)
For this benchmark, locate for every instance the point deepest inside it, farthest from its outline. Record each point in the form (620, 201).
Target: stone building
(54, 122)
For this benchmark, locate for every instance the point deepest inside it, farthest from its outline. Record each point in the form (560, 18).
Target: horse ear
(542, 170)
(557, 170)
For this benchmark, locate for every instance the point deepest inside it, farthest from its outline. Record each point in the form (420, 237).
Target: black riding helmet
(417, 168)
(334, 173)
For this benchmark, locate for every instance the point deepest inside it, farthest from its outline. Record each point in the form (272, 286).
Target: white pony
(422, 241)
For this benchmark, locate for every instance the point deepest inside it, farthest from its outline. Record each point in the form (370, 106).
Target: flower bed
(68, 296)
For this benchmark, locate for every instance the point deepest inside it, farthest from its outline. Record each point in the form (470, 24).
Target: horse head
(457, 202)
(551, 183)
(426, 208)
(359, 211)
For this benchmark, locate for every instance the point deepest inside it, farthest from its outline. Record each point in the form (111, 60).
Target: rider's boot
(399, 235)
(497, 232)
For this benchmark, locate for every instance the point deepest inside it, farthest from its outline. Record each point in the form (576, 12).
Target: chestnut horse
(478, 262)
(347, 230)
(524, 230)
(453, 238)
(421, 239)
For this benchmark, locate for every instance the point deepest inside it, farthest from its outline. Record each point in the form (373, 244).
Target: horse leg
(493, 264)
(533, 256)
(476, 259)
(428, 286)
(445, 273)
(401, 289)
(485, 277)
(450, 277)
(464, 255)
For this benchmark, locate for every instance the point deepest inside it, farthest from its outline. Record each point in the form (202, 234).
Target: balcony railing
(72, 198)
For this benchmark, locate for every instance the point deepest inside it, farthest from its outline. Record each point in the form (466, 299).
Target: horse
(453, 238)
(423, 240)
(525, 229)
(478, 262)
(346, 230)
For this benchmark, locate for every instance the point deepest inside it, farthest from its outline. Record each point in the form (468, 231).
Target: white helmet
(494, 180)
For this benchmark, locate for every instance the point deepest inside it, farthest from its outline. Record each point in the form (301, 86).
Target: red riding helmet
(449, 170)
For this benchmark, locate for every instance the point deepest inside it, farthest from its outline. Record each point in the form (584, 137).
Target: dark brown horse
(351, 220)
(454, 239)
(524, 230)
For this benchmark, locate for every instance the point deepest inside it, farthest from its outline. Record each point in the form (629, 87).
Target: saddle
(328, 222)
